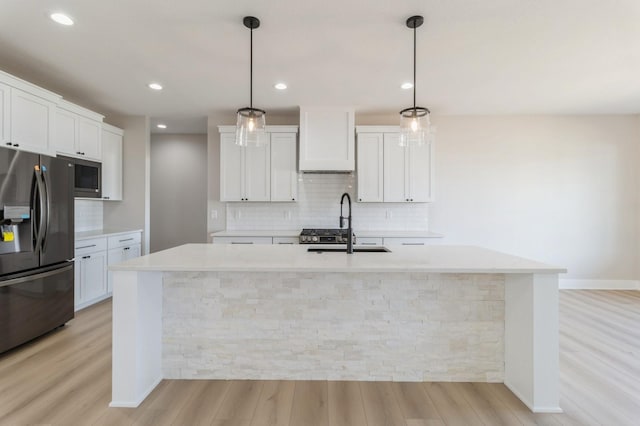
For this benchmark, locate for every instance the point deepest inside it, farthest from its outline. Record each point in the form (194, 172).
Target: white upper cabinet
(27, 115)
(395, 169)
(257, 176)
(370, 167)
(284, 179)
(327, 139)
(263, 173)
(5, 123)
(231, 168)
(32, 119)
(78, 132)
(111, 162)
(390, 173)
(408, 171)
(244, 171)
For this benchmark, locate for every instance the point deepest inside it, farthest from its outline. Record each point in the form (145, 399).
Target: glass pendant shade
(250, 127)
(415, 126)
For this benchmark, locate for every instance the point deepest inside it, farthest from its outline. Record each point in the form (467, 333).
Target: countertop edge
(87, 235)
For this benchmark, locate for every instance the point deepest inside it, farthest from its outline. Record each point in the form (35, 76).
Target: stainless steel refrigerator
(36, 245)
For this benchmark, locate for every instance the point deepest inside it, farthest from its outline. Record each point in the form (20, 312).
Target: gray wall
(178, 190)
(133, 211)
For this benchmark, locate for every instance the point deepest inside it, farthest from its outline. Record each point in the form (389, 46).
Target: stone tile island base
(441, 313)
(333, 326)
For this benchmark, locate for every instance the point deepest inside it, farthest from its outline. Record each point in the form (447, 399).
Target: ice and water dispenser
(15, 228)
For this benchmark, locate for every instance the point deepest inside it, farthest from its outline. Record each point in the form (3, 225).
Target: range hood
(327, 139)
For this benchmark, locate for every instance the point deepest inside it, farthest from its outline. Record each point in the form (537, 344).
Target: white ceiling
(474, 57)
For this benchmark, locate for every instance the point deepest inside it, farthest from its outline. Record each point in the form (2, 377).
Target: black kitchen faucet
(349, 230)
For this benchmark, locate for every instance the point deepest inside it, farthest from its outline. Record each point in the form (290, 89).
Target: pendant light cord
(251, 72)
(414, 69)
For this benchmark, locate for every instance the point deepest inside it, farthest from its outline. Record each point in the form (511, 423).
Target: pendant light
(250, 127)
(415, 125)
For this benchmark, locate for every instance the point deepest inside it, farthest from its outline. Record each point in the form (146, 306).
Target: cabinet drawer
(92, 245)
(368, 241)
(395, 241)
(242, 240)
(286, 240)
(124, 240)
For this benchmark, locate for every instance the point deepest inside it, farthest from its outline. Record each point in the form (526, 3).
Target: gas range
(324, 236)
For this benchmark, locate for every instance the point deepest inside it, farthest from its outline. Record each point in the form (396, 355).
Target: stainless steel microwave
(88, 178)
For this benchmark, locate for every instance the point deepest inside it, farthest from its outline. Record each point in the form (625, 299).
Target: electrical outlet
(214, 214)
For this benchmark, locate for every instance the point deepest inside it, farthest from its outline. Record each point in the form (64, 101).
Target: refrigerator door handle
(42, 217)
(47, 204)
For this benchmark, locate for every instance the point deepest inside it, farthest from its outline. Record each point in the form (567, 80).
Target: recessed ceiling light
(406, 86)
(155, 86)
(61, 18)
(280, 86)
(161, 126)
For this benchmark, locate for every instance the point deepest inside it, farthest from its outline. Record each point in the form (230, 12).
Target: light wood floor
(65, 379)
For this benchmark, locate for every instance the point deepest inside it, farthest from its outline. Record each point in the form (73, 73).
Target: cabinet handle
(293, 199)
(105, 198)
(240, 242)
(9, 143)
(359, 199)
(411, 199)
(412, 244)
(127, 248)
(280, 242)
(86, 257)
(369, 244)
(126, 239)
(16, 145)
(78, 152)
(92, 245)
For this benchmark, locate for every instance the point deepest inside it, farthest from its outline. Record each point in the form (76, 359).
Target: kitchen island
(417, 313)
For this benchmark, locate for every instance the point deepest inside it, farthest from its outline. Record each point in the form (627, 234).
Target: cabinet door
(114, 256)
(132, 252)
(111, 166)
(31, 121)
(5, 124)
(77, 283)
(89, 136)
(420, 176)
(231, 169)
(92, 276)
(370, 167)
(284, 178)
(65, 135)
(395, 169)
(257, 163)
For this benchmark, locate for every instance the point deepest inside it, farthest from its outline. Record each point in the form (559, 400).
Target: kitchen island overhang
(445, 313)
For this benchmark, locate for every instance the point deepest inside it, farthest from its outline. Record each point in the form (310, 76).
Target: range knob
(314, 239)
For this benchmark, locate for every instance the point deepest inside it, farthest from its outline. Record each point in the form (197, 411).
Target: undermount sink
(378, 249)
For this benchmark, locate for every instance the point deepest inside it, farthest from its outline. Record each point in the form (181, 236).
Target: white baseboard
(578, 284)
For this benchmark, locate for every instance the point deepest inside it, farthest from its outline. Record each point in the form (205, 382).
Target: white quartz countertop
(296, 233)
(103, 233)
(295, 258)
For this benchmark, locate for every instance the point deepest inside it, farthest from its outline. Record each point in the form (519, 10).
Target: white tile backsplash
(318, 206)
(88, 215)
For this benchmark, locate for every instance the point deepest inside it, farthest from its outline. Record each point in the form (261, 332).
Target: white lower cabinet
(286, 240)
(121, 248)
(93, 282)
(90, 272)
(409, 241)
(369, 241)
(242, 240)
